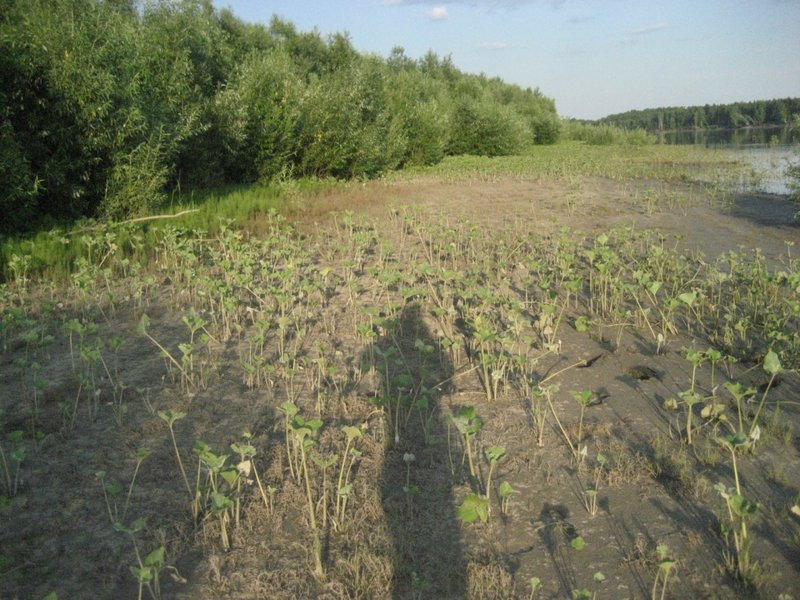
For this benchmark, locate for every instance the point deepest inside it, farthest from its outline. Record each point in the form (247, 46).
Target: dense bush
(482, 127)
(106, 105)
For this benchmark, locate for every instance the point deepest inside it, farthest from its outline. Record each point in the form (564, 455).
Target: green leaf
(170, 416)
(772, 363)
(142, 453)
(495, 454)
(155, 559)
(688, 298)
(230, 476)
(582, 324)
(741, 506)
(583, 397)
(245, 450)
(505, 490)
(289, 408)
(474, 507)
(135, 527)
(352, 432)
(142, 574)
(144, 323)
(663, 551)
(723, 491)
(690, 398)
(220, 502)
(578, 543)
(113, 489)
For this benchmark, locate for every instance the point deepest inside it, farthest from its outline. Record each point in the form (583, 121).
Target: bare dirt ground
(399, 536)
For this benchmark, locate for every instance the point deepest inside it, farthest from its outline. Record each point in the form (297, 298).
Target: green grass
(577, 159)
(52, 254)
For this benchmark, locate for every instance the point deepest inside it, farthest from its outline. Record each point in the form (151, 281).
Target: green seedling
(140, 456)
(211, 495)
(247, 454)
(535, 584)
(584, 399)
(324, 464)
(575, 449)
(494, 455)
(585, 594)
(697, 358)
(141, 329)
(343, 485)
(772, 366)
(665, 566)
(689, 398)
(290, 410)
(713, 356)
(304, 433)
(468, 425)
(590, 493)
(189, 376)
(505, 491)
(147, 569)
(409, 489)
(17, 455)
(170, 417)
(539, 412)
(111, 493)
(221, 506)
(485, 335)
(739, 393)
(740, 510)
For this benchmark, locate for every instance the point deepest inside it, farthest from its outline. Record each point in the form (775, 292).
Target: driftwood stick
(139, 220)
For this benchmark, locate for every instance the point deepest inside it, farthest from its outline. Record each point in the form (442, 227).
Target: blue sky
(594, 57)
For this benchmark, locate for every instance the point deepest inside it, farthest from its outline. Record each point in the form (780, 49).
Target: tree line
(759, 113)
(106, 105)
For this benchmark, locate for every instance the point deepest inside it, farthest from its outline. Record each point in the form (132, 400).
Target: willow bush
(107, 106)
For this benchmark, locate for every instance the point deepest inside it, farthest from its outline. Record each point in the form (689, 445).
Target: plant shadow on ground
(415, 485)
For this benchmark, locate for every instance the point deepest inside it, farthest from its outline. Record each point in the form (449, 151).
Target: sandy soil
(401, 537)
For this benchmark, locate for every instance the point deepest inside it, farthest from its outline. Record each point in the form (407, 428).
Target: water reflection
(766, 152)
(732, 138)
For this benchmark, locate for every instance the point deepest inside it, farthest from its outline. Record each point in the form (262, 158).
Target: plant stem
(180, 462)
(319, 573)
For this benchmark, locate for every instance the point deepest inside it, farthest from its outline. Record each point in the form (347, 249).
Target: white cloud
(437, 13)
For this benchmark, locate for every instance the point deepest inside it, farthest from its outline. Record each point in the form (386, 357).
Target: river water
(766, 153)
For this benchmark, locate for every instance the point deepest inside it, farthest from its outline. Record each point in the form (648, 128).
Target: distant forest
(759, 113)
(107, 105)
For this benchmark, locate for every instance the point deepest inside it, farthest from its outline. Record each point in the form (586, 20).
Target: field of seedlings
(569, 375)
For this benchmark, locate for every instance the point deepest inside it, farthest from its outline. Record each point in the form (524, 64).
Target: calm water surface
(768, 152)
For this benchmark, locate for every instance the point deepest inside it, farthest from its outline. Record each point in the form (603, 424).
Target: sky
(593, 57)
